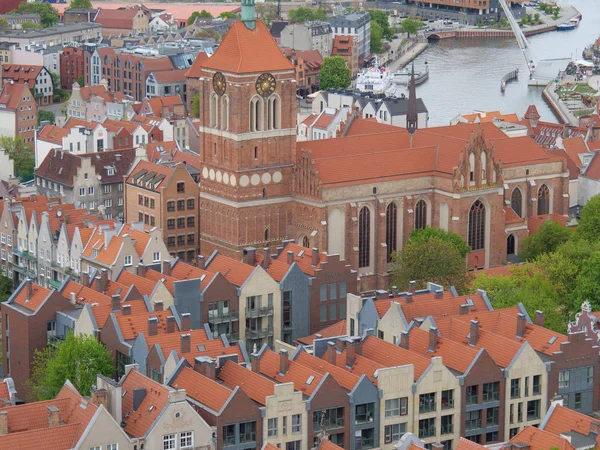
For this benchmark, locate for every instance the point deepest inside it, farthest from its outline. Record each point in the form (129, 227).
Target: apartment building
(72, 66)
(128, 20)
(37, 79)
(356, 24)
(313, 35)
(347, 48)
(18, 111)
(166, 197)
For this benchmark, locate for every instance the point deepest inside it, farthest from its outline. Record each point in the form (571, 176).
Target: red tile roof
(184, 271)
(248, 51)
(11, 95)
(575, 147)
(235, 271)
(21, 73)
(344, 378)
(565, 420)
(195, 71)
(593, 169)
(38, 295)
(328, 445)
(337, 329)
(157, 175)
(54, 134)
(465, 444)
(257, 387)
(117, 18)
(390, 355)
(202, 389)
(361, 366)
(170, 76)
(302, 257)
(155, 276)
(538, 439)
(277, 268)
(305, 380)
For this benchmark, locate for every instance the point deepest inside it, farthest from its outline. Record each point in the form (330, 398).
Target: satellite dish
(99, 177)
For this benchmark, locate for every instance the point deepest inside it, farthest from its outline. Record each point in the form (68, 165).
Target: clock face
(219, 83)
(265, 84)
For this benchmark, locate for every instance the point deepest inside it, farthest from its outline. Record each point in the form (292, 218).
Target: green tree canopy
(425, 234)
(31, 26)
(335, 73)
(304, 14)
(589, 223)
(411, 26)
(44, 115)
(549, 236)
(381, 17)
(435, 259)
(588, 281)
(266, 11)
(196, 105)
(21, 154)
(48, 14)
(204, 14)
(3, 23)
(228, 15)
(376, 36)
(6, 287)
(81, 4)
(77, 359)
(80, 81)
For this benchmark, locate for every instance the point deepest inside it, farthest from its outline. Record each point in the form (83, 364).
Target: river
(465, 74)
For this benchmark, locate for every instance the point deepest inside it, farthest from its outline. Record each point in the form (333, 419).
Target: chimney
(283, 361)
(73, 298)
(115, 301)
(409, 298)
(100, 397)
(126, 310)
(439, 294)
(139, 394)
(201, 262)
(186, 322)
(331, 353)
(474, 333)
(595, 427)
(433, 339)
(53, 419)
(29, 286)
(206, 366)
(141, 270)
(350, 354)
(85, 279)
(249, 256)
(266, 258)
(166, 267)
(412, 287)
(290, 257)
(158, 305)
(539, 318)
(170, 324)
(404, 340)
(104, 279)
(255, 362)
(186, 343)
(315, 256)
(520, 325)
(464, 309)
(152, 326)
(3, 423)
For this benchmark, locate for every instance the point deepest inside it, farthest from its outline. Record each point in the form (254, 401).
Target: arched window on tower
(391, 229)
(543, 200)
(266, 233)
(364, 237)
(516, 202)
(214, 110)
(477, 226)
(225, 113)
(420, 215)
(483, 168)
(274, 113)
(305, 241)
(256, 113)
(472, 167)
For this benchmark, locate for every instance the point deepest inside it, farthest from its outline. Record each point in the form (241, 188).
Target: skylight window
(552, 340)
(310, 380)
(201, 348)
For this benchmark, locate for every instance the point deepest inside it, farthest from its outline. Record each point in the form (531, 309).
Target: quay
(510, 76)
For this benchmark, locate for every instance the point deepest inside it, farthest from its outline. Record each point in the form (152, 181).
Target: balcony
(448, 428)
(427, 432)
(329, 424)
(25, 271)
(24, 254)
(367, 442)
(220, 317)
(427, 407)
(448, 404)
(233, 337)
(55, 283)
(287, 327)
(259, 312)
(259, 333)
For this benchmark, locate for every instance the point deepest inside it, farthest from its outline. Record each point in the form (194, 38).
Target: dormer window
(110, 171)
(94, 253)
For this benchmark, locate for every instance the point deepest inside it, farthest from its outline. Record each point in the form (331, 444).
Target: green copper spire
(249, 13)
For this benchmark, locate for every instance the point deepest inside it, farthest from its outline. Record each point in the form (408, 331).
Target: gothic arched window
(274, 113)
(516, 202)
(256, 113)
(510, 245)
(543, 200)
(391, 229)
(364, 237)
(224, 113)
(420, 214)
(477, 226)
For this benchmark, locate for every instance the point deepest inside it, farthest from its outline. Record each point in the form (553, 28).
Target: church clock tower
(248, 136)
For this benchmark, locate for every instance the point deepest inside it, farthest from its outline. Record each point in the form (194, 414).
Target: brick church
(359, 195)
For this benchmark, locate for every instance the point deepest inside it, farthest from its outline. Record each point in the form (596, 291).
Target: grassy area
(584, 88)
(582, 112)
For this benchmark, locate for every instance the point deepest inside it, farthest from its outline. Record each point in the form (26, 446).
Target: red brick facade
(72, 65)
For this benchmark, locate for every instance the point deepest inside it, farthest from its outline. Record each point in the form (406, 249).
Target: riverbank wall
(560, 110)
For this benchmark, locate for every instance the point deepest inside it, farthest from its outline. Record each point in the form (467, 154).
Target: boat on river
(403, 76)
(375, 80)
(567, 26)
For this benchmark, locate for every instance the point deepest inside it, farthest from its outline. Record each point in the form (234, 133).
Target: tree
(31, 26)
(6, 287)
(204, 14)
(228, 15)
(588, 282)
(376, 36)
(3, 23)
(379, 16)
(335, 73)
(196, 105)
(425, 234)
(556, 13)
(589, 223)
(304, 14)
(44, 115)
(81, 4)
(411, 26)
(435, 260)
(21, 154)
(48, 14)
(80, 81)
(266, 12)
(77, 359)
(549, 236)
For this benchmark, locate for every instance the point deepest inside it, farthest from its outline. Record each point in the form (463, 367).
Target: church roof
(248, 51)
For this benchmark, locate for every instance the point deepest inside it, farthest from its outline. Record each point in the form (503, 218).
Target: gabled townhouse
(166, 197)
(327, 402)
(154, 415)
(18, 111)
(535, 438)
(283, 410)
(129, 20)
(235, 416)
(168, 106)
(259, 297)
(28, 318)
(37, 79)
(324, 125)
(166, 83)
(8, 393)
(338, 329)
(164, 125)
(153, 290)
(573, 426)
(331, 279)
(70, 420)
(80, 239)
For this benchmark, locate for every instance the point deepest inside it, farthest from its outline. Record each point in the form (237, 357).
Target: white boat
(403, 77)
(374, 79)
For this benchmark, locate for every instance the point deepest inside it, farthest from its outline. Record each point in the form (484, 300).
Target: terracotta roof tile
(593, 169)
(328, 445)
(235, 271)
(575, 147)
(56, 438)
(389, 355)
(361, 366)
(344, 378)
(4, 392)
(11, 94)
(202, 389)
(302, 257)
(155, 175)
(305, 380)
(185, 271)
(195, 71)
(465, 444)
(277, 268)
(257, 387)
(137, 321)
(155, 276)
(538, 439)
(117, 18)
(39, 294)
(565, 420)
(337, 329)
(21, 73)
(248, 51)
